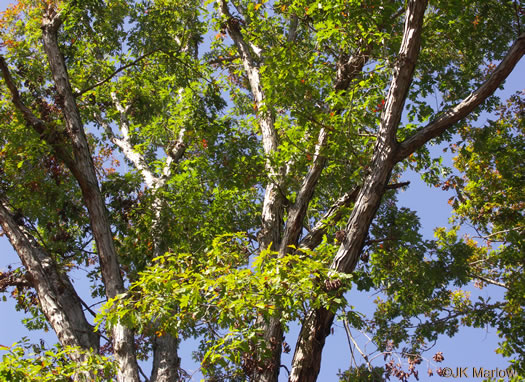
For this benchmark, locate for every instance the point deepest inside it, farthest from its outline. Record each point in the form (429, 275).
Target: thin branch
(382, 240)
(519, 229)
(345, 74)
(87, 307)
(349, 335)
(330, 217)
(8, 279)
(102, 82)
(517, 10)
(347, 331)
(334, 214)
(395, 186)
(17, 100)
(142, 373)
(489, 281)
(286, 368)
(220, 60)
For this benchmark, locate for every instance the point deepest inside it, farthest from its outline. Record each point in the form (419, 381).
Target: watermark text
(477, 372)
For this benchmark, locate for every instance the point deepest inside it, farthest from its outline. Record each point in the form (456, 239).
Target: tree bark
(272, 214)
(56, 295)
(84, 171)
(307, 357)
(309, 347)
(166, 362)
(387, 153)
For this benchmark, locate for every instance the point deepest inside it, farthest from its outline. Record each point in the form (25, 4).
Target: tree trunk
(84, 171)
(307, 357)
(166, 362)
(309, 348)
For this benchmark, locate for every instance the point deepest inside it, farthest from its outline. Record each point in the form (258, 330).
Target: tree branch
(127, 149)
(58, 299)
(273, 202)
(268, 132)
(489, 281)
(461, 110)
(128, 152)
(332, 216)
(349, 68)
(386, 146)
(84, 172)
(108, 78)
(12, 279)
(351, 338)
(297, 213)
(346, 73)
(53, 137)
(306, 361)
(175, 153)
(292, 31)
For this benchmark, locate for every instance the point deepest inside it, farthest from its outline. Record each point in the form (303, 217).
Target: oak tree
(226, 169)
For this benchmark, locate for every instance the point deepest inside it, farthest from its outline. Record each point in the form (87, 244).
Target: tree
(224, 192)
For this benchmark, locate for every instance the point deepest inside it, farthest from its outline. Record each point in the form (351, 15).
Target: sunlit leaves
(225, 290)
(490, 195)
(26, 363)
(163, 74)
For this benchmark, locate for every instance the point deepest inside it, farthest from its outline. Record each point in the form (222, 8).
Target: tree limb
(12, 279)
(53, 137)
(58, 299)
(108, 78)
(351, 338)
(292, 31)
(127, 150)
(306, 361)
(461, 110)
(489, 281)
(332, 216)
(83, 170)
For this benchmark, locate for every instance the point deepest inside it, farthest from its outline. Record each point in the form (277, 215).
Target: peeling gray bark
(307, 357)
(166, 362)
(83, 170)
(272, 212)
(57, 297)
(387, 153)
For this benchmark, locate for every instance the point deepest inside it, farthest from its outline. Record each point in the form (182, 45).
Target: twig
(499, 232)
(146, 379)
(489, 281)
(285, 368)
(349, 335)
(135, 62)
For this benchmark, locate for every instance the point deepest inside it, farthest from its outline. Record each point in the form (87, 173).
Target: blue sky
(472, 347)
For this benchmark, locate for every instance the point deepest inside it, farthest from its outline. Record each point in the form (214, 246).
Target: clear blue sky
(472, 347)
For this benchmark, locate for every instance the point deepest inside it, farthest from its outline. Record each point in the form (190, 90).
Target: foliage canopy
(228, 169)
